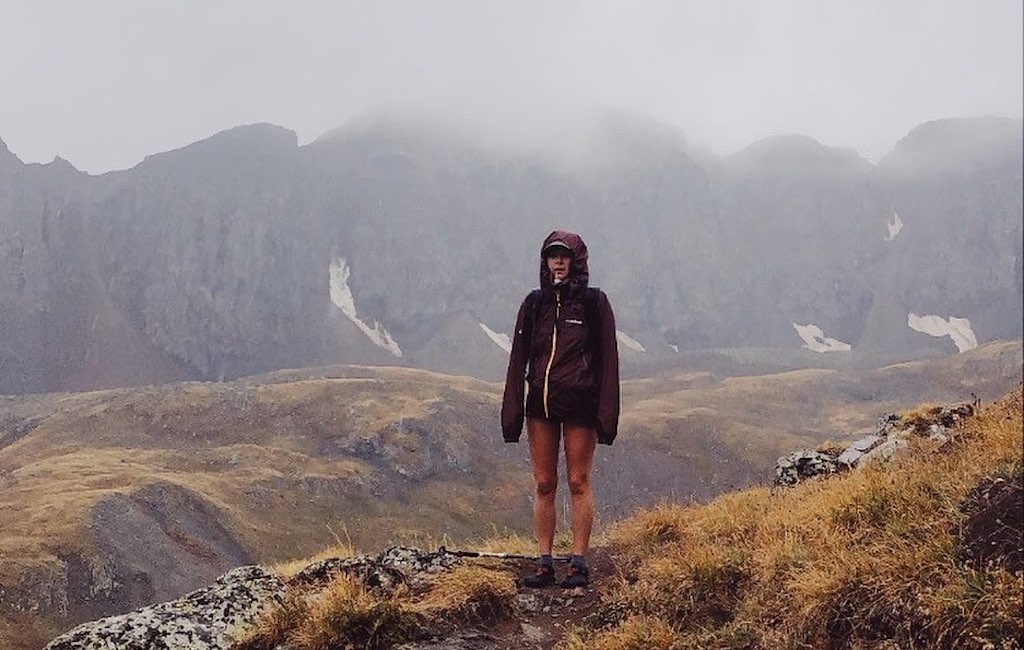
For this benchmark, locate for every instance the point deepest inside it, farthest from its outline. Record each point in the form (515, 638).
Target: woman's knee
(579, 485)
(546, 487)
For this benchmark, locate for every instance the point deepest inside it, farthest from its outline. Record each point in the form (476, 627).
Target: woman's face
(558, 265)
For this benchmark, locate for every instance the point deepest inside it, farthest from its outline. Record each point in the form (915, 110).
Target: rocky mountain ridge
(381, 243)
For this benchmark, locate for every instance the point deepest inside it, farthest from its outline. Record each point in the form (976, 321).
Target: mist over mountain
(387, 242)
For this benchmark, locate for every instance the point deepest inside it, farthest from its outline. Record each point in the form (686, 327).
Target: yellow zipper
(551, 358)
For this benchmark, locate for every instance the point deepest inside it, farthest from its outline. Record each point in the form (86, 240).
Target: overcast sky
(104, 83)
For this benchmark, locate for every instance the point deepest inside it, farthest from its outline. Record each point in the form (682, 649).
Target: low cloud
(106, 83)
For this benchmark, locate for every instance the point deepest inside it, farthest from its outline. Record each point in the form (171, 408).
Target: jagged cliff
(385, 243)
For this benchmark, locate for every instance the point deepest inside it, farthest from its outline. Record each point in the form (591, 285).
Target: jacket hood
(579, 273)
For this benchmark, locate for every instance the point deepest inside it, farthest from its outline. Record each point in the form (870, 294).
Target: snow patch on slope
(895, 227)
(958, 329)
(629, 341)
(816, 341)
(500, 338)
(341, 295)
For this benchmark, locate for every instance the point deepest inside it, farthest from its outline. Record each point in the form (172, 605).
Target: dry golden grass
(637, 632)
(348, 616)
(345, 615)
(506, 543)
(873, 554)
(468, 594)
(291, 567)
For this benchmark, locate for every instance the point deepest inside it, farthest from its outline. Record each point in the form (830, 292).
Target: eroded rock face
(149, 545)
(161, 541)
(205, 619)
(213, 261)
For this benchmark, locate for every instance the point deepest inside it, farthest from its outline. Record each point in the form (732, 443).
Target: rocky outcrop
(956, 188)
(892, 435)
(802, 465)
(205, 619)
(212, 618)
(397, 566)
(250, 607)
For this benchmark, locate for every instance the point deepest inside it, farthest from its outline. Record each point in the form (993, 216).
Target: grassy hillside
(924, 551)
(890, 554)
(113, 499)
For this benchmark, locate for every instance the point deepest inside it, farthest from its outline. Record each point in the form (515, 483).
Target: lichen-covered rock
(939, 417)
(884, 451)
(852, 454)
(396, 566)
(887, 423)
(202, 620)
(891, 436)
(803, 464)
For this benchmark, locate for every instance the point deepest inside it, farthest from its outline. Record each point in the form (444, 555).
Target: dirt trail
(546, 615)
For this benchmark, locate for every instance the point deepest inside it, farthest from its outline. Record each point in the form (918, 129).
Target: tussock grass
(291, 567)
(469, 593)
(507, 543)
(873, 555)
(344, 615)
(348, 616)
(635, 633)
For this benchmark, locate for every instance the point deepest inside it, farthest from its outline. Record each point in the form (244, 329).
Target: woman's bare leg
(580, 443)
(543, 436)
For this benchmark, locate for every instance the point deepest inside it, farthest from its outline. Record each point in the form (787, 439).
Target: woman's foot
(577, 576)
(545, 577)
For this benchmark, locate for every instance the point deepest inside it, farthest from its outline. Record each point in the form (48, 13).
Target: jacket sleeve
(515, 378)
(608, 392)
